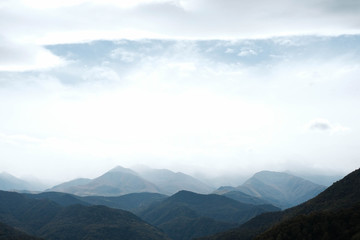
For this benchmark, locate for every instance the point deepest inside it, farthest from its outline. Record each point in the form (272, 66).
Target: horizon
(205, 88)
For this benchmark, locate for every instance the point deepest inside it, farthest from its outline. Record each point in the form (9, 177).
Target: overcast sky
(200, 86)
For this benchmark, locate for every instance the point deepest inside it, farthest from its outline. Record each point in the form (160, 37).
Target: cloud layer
(32, 24)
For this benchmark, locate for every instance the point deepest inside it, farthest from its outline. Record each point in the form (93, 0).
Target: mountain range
(120, 181)
(229, 214)
(278, 188)
(333, 214)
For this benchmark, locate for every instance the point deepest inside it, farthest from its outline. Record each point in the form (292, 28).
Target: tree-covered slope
(10, 233)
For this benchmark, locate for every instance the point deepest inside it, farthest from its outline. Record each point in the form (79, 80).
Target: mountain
(10, 233)
(133, 202)
(185, 214)
(63, 199)
(49, 220)
(98, 222)
(9, 182)
(245, 198)
(67, 186)
(280, 189)
(322, 179)
(333, 225)
(170, 182)
(336, 208)
(118, 181)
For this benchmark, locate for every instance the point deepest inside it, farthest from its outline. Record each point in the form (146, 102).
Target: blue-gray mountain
(170, 182)
(121, 181)
(117, 181)
(10, 182)
(278, 188)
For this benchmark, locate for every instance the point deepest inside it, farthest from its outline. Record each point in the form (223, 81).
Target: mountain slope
(280, 189)
(332, 225)
(336, 201)
(170, 182)
(204, 214)
(51, 221)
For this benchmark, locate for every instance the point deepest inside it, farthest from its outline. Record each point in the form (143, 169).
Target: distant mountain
(67, 186)
(51, 221)
(280, 189)
(245, 198)
(322, 179)
(224, 189)
(186, 214)
(9, 182)
(118, 181)
(170, 182)
(133, 202)
(335, 209)
(10, 233)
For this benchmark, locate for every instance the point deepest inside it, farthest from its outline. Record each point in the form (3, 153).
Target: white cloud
(23, 57)
(247, 52)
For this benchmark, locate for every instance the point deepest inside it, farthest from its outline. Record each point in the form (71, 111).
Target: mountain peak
(122, 170)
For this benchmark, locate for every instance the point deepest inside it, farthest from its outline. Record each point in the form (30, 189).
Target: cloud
(324, 125)
(29, 25)
(22, 57)
(246, 52)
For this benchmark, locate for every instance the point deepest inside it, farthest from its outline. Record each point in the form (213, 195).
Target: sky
(206, 87)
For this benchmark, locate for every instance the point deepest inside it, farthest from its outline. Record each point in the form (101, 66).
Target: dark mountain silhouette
(277, 188)
(118, 181)
(186, 214)
(170, 182)
(10, 233)
(332, 225)
(47, 219)
(330, 209)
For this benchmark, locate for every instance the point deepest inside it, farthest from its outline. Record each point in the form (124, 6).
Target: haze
(204, 87)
